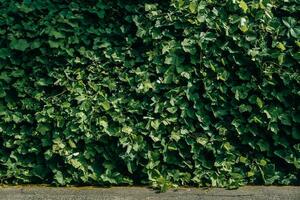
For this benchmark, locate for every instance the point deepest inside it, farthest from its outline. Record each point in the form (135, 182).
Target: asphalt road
(139, 193)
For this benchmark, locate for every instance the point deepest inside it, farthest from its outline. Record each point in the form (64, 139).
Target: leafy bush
(101, 92)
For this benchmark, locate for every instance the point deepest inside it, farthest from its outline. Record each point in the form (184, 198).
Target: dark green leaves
(171, 93)
(4, 53)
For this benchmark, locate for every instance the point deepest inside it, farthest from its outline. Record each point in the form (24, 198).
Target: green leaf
(243, 26)
(202, 140)
(127, 129)
(175, 135)
(245, 108)
(75, 163)
(180, 3)
(103, 123)
(155, 124)
(281, 46)
(262, 162)
(149, 7)
(105, 105)
(59, 178)
(243, 6)
(42, 128)
(243, 159)
(263, 145)
(53, 44)
(250, 174)
(56, 34)
(281, 59)
(19, 44)
(4, 53)
(2, 93)
(259, 102)
(72, 144)
(296, 133)
(193, 6)
(172, 109)
(227, 146)
(36, 44)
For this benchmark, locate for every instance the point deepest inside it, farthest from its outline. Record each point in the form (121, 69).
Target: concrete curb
(139, 193)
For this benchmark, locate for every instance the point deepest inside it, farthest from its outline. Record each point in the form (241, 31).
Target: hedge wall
(164, 93)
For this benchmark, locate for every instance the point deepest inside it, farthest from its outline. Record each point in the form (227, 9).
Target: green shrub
(101, 92)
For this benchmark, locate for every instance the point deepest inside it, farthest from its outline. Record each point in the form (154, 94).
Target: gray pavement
(139, 193)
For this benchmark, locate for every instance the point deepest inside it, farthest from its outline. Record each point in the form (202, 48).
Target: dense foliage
(102, 92)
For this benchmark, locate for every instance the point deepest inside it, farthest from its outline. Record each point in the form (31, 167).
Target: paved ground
(139, 193)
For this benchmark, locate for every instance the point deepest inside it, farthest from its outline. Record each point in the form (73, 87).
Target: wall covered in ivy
(163, 93)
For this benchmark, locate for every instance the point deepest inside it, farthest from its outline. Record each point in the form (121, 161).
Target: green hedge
(164, 93)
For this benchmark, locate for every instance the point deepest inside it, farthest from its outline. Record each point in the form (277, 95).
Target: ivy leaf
(193, 6)
(259, 102)
(4, 53)
(105, 105)
(127, 129)
(155, 124)
(56, 34)
(281, 59)
(243, 6)
(42, 128)
(19, 44)
(59, 178)
(2, 93)
(180, 3)
(263, 145)
(281, 46)
(243, 25)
